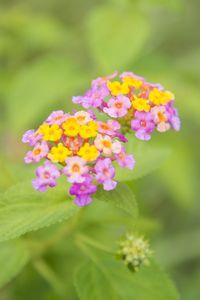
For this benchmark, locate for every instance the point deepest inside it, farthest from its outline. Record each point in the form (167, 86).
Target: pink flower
(125, 160)
(75, 169)
(82, 117)
(105, 172)
(31, 137)
(57, 117)
(143, 125)
(40, 151)
(110, 127)
(160, 116)
(118, 107)
(106, 145)
(47, 176)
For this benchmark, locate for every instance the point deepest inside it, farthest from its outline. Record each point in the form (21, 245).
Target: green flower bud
(134, 250)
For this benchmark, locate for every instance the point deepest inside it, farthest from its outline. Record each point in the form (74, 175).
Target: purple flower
(98, 82)
(47, 176)
(105, 173)
(125, 160)
(57, 117)
(173, 116)
(93, 97)
(143, 125)
(31, 137)
(83, 190)
(117, 107)
(40, 151)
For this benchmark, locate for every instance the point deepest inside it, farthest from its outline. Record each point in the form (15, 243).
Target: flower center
(106, 172)
(82, 187)
(81, 118)
(51, 132)
(143, 123)
(75, 168)
(161, 117)
(46, 175)
(37, 151)
(121, 156)
(118, 105)
(106, 144)
(58, 118)
(105, 126)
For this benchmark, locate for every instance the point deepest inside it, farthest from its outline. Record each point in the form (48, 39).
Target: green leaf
(109, 279)
(148, 158)
(23, 209)
(116, 36)
(13, 257)
(121, 197)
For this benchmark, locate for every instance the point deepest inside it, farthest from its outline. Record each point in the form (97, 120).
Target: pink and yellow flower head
(79, 147)
(124, 96)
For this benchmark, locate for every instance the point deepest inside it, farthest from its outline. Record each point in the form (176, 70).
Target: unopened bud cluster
(134, 250)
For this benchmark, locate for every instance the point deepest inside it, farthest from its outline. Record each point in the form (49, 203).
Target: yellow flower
(71, 127)
(158, 97)
(89, 130)
(50, 133)
(59, 153)
(88, 152)
(117, 88)
(141, 104)
(132, 82)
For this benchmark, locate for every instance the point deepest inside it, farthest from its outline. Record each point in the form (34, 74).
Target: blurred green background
(50, 50)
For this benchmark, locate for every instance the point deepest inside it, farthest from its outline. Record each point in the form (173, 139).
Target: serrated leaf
(13, 257)
(148, 158)
(109, 279)
(122, 197)
(22, 209)
(116, 37)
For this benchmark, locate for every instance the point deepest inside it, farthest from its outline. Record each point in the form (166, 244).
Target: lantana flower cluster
(137, 104)
(79, 147)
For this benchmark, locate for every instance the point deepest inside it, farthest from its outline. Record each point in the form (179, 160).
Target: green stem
(49, 275)
(89, 241)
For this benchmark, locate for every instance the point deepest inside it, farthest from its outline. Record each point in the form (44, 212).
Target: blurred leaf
(116, 36)
(40, 85)
(176, 249)
(172, 4)
(25, 33)
(148, 158)
(178, 175)
(190, 62)
(121, 197)
(109, 279)
(22, 209)
(13, 257)
(190, 288)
